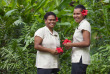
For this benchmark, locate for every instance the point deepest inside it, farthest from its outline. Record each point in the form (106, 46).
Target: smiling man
(46, 42)
(81, 41)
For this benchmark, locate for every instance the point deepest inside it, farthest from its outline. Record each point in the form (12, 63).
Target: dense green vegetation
(19, 19)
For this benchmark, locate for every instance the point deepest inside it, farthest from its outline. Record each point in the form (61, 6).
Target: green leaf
(18, 22)
(65, 23)
(10, 12)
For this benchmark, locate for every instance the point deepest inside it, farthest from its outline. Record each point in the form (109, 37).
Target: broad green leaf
(10, 12)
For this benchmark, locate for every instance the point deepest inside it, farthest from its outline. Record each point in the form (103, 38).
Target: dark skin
(84, 43)
(50, 23)
(86, 35)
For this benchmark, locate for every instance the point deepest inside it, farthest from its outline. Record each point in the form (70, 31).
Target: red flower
(84, 12)
(66, 41)
(56, 19)
(59, 49)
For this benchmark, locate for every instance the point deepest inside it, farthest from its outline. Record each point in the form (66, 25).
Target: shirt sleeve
(39, 33)
(85, 26)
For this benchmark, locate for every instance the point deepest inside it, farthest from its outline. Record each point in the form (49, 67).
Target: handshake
(59, 49)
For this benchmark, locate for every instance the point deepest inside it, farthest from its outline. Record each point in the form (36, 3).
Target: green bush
(19, 19)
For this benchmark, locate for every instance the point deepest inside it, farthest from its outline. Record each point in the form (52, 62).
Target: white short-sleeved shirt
(46, 59)
(77, 52)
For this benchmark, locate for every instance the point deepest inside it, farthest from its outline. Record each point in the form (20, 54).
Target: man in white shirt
(81, 42)
(46, 42)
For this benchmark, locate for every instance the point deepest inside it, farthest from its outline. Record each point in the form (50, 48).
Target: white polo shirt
(46, 59)
(77, 52)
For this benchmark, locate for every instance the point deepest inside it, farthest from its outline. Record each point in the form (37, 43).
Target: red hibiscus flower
(84, 12)
(66, 41)
(56, 19)
(59, 49)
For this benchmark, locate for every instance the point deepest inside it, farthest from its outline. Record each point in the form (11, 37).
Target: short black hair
(81, 7)
(49, 13)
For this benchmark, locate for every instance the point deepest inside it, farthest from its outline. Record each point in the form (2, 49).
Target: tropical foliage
(19, 19)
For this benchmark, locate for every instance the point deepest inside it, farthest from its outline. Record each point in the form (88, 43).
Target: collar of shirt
(82, 22)
(54, 33)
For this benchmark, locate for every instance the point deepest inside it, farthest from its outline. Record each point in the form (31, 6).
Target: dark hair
(49, 13)
(81, 7)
